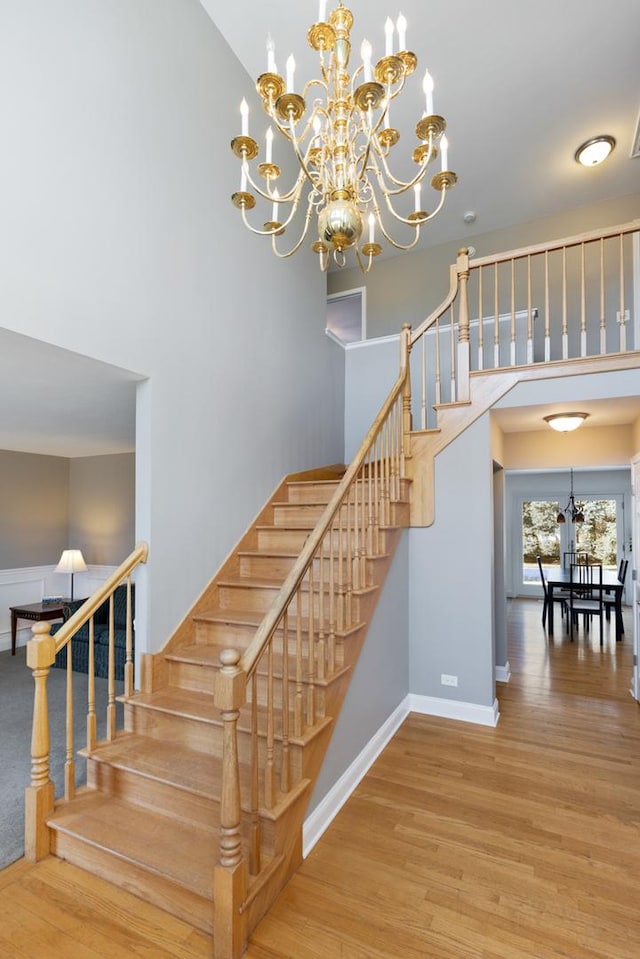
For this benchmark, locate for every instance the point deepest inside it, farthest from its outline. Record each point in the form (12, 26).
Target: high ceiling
(521, 84)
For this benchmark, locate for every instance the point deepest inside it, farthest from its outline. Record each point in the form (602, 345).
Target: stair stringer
(485, 389)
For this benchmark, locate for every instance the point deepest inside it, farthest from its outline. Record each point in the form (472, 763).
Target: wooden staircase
(149, 817)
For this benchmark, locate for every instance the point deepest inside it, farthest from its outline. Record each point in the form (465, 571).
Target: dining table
(561, 579)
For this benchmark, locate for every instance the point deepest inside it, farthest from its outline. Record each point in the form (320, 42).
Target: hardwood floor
(462, 842)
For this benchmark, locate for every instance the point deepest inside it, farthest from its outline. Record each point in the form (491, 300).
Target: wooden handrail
(633, 226)
(88, 608)
(288, 589)
(41, 655)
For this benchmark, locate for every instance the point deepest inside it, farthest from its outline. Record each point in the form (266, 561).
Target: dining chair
(572, 556)
(609, 598)
(560, 596)
(586, 596)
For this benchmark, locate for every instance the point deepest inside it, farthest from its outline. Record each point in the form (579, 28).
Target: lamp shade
(565, 422)
(71, 561)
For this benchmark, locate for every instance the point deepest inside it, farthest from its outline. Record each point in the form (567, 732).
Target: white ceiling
(59, 403)
(521, 85)
(618, 411)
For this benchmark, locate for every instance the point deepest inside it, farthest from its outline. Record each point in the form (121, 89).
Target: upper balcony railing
(568, 299)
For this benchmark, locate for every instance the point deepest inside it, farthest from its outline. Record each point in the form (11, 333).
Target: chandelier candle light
(342, 145)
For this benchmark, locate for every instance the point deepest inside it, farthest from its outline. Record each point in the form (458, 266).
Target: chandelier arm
(296, 247)
(302, 160)
(364, 269)
(275, 230)
(401, 185)
(388, 238)
(370, 136)
(402, 219)
(284, 197)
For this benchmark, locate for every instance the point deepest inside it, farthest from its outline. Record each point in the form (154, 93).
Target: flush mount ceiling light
(594, 151)
(565, 422)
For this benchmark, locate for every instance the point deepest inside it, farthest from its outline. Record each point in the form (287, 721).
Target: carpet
(16, 712)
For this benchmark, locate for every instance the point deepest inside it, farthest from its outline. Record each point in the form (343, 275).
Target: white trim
(359, 344)
(453, 709)
(503, 673)
(331, 804)
(392, 338)
(329, 807)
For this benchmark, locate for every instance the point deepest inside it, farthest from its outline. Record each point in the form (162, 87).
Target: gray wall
(407, 288)
(120, 242)
(371, 369)
(102, 507)
(380, 680)
(34, 509)
(48, 503)
(451, 577)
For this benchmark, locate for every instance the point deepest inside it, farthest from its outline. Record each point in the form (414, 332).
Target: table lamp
(71, 561)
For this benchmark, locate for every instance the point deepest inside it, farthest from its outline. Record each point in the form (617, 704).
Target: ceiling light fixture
(594, 151)
(342, 146)
(565, 422)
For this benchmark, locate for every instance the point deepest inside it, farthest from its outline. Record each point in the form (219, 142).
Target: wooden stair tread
(189, 769)
(200, 707)
(236, 617)
(250, 582)
(209, 655)
(175, 850)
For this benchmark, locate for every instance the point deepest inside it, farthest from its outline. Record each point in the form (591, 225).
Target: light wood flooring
(462, 842)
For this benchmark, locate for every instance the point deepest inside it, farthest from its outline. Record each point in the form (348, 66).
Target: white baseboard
(503, 673)
(452, 709)
(329, 807)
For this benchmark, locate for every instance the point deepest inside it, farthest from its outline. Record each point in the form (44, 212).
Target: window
(540, 537)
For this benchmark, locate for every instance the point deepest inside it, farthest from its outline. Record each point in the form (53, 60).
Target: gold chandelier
(342, 145)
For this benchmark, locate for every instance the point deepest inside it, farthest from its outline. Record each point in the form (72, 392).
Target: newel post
(462, 266)
(231, 871)
(41, 654)
(407, 421)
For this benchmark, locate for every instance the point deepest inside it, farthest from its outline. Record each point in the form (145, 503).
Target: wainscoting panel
(31, 584)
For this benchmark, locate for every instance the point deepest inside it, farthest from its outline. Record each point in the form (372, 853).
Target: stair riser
(294, 514)
(173, 898)
(169, 800)
(224, 634)
(165, 798)
(269, 566)
(310, 492)
(283, 539)
(203, 736)
(259, 599)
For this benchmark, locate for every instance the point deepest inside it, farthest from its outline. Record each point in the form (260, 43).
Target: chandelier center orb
(337, 129)
(340, 224)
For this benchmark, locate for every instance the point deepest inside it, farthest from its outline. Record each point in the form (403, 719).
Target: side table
(35, 612)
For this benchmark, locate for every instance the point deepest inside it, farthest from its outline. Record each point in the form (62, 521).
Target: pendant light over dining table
(572, 510)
